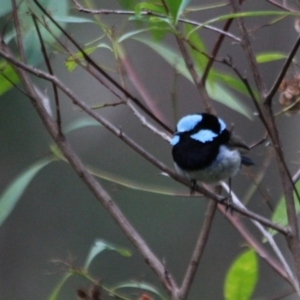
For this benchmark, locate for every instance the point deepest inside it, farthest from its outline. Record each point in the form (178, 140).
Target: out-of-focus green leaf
(196, 54)
(269, 56)
(99, 247)
(31, 43)
(59, 286)
(215, 90)
(81, 123)
(6, 7)
(248, 14)
(148, 7)
(141, 286)
(6, 71)
(242, 277)
(72, 19)
(13, 193)
(71, 62)
(176, 8)
(131, 34)
(161, 190)
(232, 82)
(279, 215)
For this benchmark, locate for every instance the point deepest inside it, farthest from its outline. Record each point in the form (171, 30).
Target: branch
(99, 192)
(132, 144)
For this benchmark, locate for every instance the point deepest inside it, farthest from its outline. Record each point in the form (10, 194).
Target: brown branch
(190, 66)
(133, 145)
(99, 192)
(102, 72)
(198, 251)
(49, 67)
(285, 176)
(80, 8)
(215, 51)
(282, 73)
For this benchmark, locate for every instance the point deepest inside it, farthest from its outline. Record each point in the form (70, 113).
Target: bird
(204, 150)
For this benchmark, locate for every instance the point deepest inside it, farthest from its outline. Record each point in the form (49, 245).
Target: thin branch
(48, 64)
(102, 72)
(282, 73)
(96, 188)
(215, 51)
(18, 31)
(267, 113)
(133, 145)
(190, 66)
(80, 8)
(269, 238)
(198, 251)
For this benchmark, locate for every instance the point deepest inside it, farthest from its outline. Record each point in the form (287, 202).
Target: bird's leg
(193, 186)
(228, 200)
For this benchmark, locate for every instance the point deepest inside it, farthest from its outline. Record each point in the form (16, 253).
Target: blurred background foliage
(58, 219)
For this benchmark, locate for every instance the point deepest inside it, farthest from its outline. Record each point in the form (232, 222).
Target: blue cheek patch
(204, 136)
(174, 140)
(188, 123)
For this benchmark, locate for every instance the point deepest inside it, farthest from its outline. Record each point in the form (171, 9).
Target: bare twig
(198, 251)
(149, 13)
(189, 64)
(282, 73)
(293, 280)
(49, 67)
(102, 72)
(96, 188)
(132, 144)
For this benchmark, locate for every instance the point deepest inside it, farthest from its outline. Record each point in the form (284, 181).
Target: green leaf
(6, 71)
(245, 15)
(215, 90)
(31, 43)
(148, 7)
(72, 19)
(13, 193)
(99, 247)
(6, 7)
(81, 123)
(200, 59)
(242, 277)
(269, 56)
(176, 8)
(279, 215)
(139, 285)
(59, 286)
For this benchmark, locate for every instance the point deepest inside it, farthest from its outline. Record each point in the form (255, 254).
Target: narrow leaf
(15, 190)
(279, 215)
(81, 123)
(242, 277)
(7, 72)
(215, 90)
(99, 247)
(269, 56)
(59, 286)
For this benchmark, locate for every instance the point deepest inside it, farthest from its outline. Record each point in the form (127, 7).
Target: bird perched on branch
(204, 150)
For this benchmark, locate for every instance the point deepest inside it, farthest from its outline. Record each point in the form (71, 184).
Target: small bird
(204, 150)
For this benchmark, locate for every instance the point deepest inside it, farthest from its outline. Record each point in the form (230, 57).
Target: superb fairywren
(203, 149)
